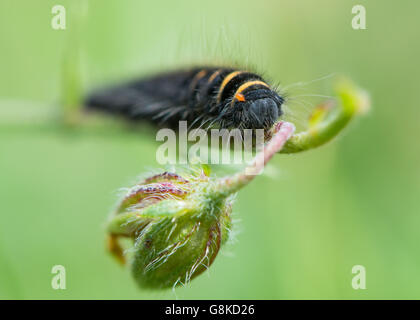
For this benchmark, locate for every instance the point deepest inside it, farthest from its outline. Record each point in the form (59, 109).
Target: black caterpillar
(207, 96)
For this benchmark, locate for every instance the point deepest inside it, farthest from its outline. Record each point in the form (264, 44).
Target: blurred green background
(303, 225)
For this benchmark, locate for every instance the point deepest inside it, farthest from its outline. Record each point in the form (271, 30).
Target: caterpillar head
(261, 108)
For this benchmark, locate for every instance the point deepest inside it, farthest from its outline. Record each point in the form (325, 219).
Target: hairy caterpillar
(222, 97)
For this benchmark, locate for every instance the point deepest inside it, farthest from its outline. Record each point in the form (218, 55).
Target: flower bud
(178, 225)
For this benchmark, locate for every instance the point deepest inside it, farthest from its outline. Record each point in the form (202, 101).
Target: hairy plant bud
(178, 224)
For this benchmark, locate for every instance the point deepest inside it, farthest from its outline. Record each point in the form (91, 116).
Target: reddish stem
(282, 132)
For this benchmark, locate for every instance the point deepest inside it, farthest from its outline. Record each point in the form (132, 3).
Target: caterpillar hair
(211, 96)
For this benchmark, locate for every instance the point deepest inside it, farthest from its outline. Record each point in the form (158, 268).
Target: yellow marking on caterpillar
(229, 77)
(250, 83)
(197, 78)
(239, 96)
(214, 75)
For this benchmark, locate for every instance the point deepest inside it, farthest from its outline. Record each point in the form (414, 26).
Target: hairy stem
(231, 184)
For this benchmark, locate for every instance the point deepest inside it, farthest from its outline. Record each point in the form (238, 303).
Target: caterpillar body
(202, 96)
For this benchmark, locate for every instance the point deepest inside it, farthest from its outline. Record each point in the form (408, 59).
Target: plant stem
(352, 101)
(228, 185)
(71, 67)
